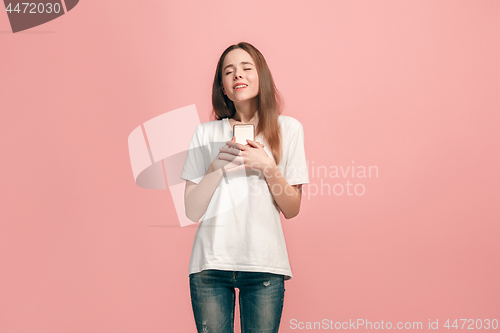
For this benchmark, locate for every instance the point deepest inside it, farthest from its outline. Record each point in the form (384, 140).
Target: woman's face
(240, 80)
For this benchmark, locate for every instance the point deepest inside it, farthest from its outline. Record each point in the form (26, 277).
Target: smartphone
(242, 132)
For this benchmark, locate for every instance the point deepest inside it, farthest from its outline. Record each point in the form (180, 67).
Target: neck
(246, 112)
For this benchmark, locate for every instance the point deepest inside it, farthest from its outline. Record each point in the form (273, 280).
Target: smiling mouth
(241, 86)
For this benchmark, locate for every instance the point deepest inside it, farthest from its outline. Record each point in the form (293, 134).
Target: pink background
(410, 87)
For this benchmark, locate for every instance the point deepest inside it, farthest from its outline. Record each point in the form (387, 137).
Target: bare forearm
(198, 198)
(286, 196)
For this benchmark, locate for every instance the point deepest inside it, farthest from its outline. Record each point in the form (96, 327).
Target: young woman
(238, 192)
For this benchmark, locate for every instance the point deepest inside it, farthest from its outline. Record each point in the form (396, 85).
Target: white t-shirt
(241, 228)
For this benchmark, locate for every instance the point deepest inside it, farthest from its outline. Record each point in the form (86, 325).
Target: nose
(237, 74)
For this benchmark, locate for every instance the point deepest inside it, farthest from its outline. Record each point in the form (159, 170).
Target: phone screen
(242, 132)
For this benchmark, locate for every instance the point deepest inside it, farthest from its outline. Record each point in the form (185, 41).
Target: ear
(222, 88)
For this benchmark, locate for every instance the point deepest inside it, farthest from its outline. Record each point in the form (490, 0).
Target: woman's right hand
(219, 163)
(231, 158)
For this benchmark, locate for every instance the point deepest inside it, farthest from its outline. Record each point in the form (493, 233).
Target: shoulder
(209, 126)
(289, 124)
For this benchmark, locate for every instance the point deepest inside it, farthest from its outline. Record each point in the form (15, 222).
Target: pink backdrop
(409, 88)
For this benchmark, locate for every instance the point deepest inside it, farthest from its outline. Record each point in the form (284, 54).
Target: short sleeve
(195, 165)
(296, 164)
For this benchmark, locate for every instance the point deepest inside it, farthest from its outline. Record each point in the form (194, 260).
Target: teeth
(240, 86)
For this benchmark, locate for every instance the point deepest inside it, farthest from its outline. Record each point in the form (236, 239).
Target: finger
(227, 157)
(231, 158)
(230, 150)
(235, 145)
(254, 144)
(232, 144)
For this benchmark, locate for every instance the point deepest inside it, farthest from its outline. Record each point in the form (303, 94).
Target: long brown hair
(269, 99)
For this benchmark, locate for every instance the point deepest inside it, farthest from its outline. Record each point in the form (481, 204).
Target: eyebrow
(242, 63)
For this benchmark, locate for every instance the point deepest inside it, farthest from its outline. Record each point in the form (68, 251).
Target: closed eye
(247, 69)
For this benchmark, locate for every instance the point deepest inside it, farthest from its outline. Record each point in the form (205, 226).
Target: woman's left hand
(252, 156)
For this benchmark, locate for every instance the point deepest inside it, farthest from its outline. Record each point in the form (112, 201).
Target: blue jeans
(213, 299)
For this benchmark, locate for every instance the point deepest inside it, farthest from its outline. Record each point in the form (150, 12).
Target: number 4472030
(34, 8)
(473, 324)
